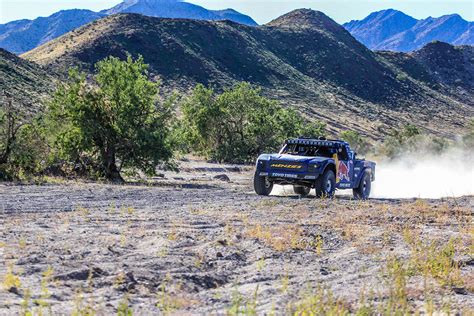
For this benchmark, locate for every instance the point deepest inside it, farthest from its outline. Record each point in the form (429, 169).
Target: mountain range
(303, 59)
(383, 30)
(394, 30)
(23, 35)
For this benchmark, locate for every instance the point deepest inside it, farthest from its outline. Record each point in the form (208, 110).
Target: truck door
(345, 169)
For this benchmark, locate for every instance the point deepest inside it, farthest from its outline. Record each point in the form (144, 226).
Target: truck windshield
(307, 150)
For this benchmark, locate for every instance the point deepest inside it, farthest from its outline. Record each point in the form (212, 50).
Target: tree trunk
(5, 155)
(110, 166)
(11, 130)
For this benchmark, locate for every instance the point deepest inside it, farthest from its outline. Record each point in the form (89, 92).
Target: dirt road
(189, 242)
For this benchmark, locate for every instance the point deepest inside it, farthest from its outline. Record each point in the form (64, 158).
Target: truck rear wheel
(326, 184)
(262, 185)
(362, 192)
(301, 190)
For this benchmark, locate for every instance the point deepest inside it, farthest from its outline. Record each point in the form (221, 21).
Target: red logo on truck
(343, 172)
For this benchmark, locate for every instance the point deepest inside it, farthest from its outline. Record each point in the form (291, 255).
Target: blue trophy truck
(306, 163)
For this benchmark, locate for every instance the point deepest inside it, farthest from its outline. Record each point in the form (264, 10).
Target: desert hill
(303, 58)
(443, 67)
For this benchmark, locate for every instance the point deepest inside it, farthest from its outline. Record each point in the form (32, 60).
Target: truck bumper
(288, 175)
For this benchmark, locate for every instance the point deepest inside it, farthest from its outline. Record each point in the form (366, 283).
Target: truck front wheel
(262, 185)
(301, 190)
(362, 192)
(326, 184)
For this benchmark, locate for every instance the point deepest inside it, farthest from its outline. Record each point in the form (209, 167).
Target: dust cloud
(283, 190)
(448, 174)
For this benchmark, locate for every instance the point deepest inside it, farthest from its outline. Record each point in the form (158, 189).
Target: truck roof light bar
(313, 142)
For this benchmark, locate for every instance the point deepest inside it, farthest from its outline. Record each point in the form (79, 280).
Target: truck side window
(343, 154)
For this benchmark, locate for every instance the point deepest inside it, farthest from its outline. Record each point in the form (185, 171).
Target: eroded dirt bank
(191, 243)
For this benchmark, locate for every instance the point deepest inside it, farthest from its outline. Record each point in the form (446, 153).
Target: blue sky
(261, 10)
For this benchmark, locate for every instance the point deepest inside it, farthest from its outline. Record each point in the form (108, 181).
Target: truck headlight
(312, 167)
(260, 164)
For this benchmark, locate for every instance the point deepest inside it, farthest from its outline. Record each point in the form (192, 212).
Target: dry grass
(285, 237)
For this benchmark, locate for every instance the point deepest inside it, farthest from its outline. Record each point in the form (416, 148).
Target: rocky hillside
(23, 35)
(26, 82)
(303, 58)
(453, 66)
(396, 31)
(441, 66)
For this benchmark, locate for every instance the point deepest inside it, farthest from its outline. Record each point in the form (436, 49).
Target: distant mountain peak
(23, 35)
(394, 30)
(178, 9)
(379, 26)
(228, 10)
(385, 12)
(454, 15)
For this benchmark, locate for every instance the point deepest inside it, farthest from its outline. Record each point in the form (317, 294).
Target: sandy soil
(189, 242)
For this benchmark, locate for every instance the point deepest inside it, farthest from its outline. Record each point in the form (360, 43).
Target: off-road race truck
(306, 163)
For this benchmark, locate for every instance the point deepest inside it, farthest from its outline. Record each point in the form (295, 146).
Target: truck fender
(331, 166)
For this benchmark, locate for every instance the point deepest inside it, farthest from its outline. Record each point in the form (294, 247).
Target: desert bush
(435, 258)
(468, 139)
(113, 120)
(356, 141)
(396, 274)
(242, 305)
(409, 140)
(30, 153)
(320, 301)
(238, 124)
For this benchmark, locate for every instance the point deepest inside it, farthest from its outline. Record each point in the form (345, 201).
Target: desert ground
(202, 242)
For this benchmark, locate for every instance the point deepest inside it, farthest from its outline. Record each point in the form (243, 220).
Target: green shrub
(239, 124)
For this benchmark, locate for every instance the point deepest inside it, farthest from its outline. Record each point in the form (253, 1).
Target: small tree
(239, 124)
(13, 125)
(113, 120)
(22, 149)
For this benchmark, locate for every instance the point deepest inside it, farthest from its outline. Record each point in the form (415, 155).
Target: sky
(261, 11)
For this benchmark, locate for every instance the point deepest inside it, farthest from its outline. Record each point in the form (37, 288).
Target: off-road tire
(301, 190)
(362, 192)
(262, 185)
(326, 184)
